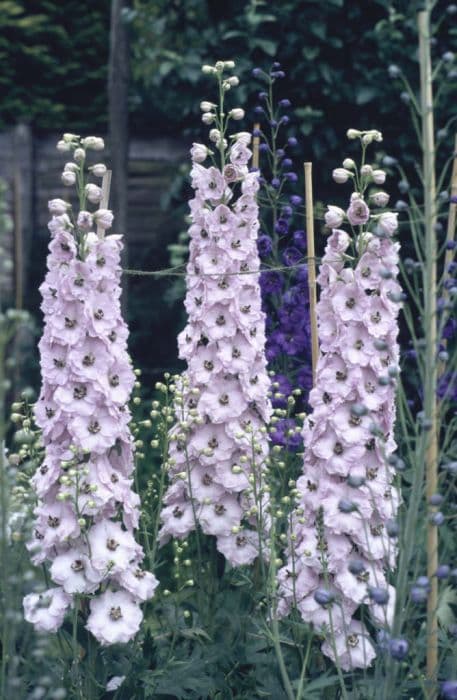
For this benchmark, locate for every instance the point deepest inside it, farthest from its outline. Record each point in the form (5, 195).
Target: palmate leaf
(445, 613)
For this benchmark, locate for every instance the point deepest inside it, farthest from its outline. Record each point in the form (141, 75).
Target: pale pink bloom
(73, 571)
(353, 647)
(58, 206)
(104, 218)
(334, 216)
(114, 617)
(46, 611)
(358, 212)
(198, 152)
(388, 223)
(112, 549)
(141, 584)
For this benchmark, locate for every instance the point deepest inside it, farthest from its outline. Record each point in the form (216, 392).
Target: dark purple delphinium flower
(449, 690)
(300, 239)
(291, 256)
(264, 245)
(398, 649)
(272, 282)
(296, 200)
(282, 227)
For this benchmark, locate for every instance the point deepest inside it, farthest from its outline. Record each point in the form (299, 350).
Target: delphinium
(219, 443)
(339, 544)
(87, 510)
(282, 246)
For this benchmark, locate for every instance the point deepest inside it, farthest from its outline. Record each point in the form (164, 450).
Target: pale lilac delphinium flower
(219, 444)
(339, 548)
(87, 509)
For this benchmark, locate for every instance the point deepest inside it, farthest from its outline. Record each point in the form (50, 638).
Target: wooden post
(308, 167)
(106, 186)
(430, 332)
(255, 148)
(451, 222)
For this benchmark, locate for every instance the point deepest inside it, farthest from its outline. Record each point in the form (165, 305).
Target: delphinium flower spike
(339, 540)
(219, 443)
(87, 510)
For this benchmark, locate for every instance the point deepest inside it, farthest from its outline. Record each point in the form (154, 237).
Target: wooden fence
(31, 167)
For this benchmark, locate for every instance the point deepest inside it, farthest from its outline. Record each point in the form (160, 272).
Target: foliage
(54, 58)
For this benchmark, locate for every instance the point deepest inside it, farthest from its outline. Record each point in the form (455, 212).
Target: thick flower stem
(308, 168)
(430, 318)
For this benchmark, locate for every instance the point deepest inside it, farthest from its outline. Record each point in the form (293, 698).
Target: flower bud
(94, 142)
(68, 178)
(99, 169)
(58, 206)
(341, 175)
(208, 118)
(349, 164)
(353, 134)
(214, 135)
(70, 138)
(229, 64)
(236, 113)
(199, 152)
(208, 70)
(93, 193)
(381, 199)
(79, 155)
(379, 177)
(206, 106)
(63, 147)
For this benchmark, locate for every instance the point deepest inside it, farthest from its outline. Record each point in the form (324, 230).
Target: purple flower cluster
(87, 510)
(284, 296)
(216, 461)
(340, 540)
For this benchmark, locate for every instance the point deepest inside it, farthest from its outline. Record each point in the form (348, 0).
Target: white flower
(85, 220)
(63, 146)
(237, 113)
(112, 548)
(198, 152)
(207, 106)
(208, 69)
(379, 177)
(229, 64)
(46, 611)
(114, 618)
(94, 142)
(243, 137)
(69, 138)
(381, 199)
(79, 155)
(388, 223)
(71, 167)
(99, 169)
(208, 118)
(68, 178)
(341, 175)
(114, 683)
(58, 206)
(141, 584)
(104, 218)
(233, 81)
(93, 193)
(353, 133)
(214, 135)
(349, 164)
(334, 216)
(72, 571)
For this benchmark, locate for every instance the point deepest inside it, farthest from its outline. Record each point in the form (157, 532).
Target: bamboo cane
(255, 148)
(106, 186)
(430, 318)
(452, 220)
(308, 168)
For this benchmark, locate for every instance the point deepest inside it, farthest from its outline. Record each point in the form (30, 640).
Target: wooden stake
(430, 332)
(308, 167)
(255, 148)
(452, 220)
(106, 186)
